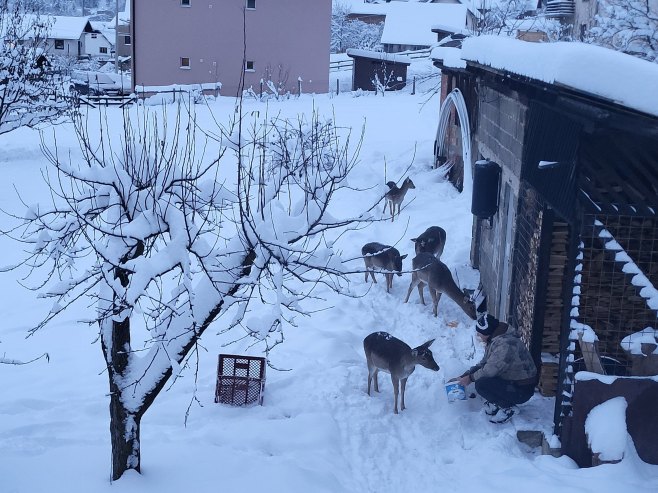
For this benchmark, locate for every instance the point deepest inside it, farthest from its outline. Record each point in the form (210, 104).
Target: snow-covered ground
(318, 431)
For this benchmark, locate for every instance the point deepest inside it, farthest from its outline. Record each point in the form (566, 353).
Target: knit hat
(486, 324)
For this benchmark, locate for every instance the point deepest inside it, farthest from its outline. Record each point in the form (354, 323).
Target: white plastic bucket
(455, 392)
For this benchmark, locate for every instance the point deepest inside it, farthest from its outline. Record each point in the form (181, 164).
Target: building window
(185, 62)
(185, 3)
(251, 4)
(94, 35)
(249, 66)
(59, 44)
(127, 40)
(103, 50)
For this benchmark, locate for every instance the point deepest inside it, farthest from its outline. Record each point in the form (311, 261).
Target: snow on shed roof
(411, 23)
(597, 71)
(379, 55)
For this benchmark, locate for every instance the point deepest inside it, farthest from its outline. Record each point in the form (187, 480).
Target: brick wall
(501, 123)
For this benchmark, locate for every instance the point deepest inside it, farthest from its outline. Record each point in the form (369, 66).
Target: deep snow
(317, 431)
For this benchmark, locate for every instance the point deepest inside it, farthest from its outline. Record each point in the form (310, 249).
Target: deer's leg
(421, 287)
(436, 297)
(374, 377)
(372, 274)
(396, 384)
(402, 387)
(370, 372)
(392, 211)
(389, 282)
(414, 282)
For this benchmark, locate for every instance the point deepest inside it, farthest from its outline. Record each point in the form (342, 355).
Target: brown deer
(384, 257)
(427, 269)
(432, 240)
(387, 353)
(395, 195)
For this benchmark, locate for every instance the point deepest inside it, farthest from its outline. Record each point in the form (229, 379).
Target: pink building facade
(190, 42)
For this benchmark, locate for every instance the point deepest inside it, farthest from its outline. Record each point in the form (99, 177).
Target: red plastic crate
(240, 380)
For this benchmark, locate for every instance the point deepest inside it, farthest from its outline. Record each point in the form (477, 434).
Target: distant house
(208, 43)
(565, 212)
(408, 25)
(75, 37)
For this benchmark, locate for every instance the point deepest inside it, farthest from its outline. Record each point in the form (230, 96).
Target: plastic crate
(240, 380)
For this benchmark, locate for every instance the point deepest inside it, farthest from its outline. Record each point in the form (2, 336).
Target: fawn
(385, 257)
(387, 353)
(395, 195)
(431, 271)
(432, 240)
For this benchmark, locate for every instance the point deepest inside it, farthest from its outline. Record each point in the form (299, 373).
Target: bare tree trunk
(124, 425)
(124, 432)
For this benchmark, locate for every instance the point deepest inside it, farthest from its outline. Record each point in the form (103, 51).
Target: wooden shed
(570, 253)
(376, 70)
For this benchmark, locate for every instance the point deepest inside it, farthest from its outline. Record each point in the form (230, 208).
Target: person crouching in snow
(506, 375)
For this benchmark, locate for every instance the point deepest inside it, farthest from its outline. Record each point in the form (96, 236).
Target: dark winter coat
(506, 357)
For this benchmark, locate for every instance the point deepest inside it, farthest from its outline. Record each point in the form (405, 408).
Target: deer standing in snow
(395, 196)
(390, 354)
(432, 240)
(427, 269)
(384, 257)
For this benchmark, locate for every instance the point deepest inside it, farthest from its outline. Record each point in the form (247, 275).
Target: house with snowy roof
(232, 44)
(75, 37)
(560, 153)
(408, 25)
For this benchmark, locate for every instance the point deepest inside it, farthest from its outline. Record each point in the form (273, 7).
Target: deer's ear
(402, 257)
(427, 344)
(414, 240)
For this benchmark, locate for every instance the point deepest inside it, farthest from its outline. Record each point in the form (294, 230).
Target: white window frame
(247, 5)
(127, 39)
(247, 68)
(183, 65)
(185, 3)
(101, 48)
(59, 41)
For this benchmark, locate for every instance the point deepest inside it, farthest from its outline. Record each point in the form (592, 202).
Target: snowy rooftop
(607, 74)
(411, 23)
(67, 27)
(380, 55)
(59, 27)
